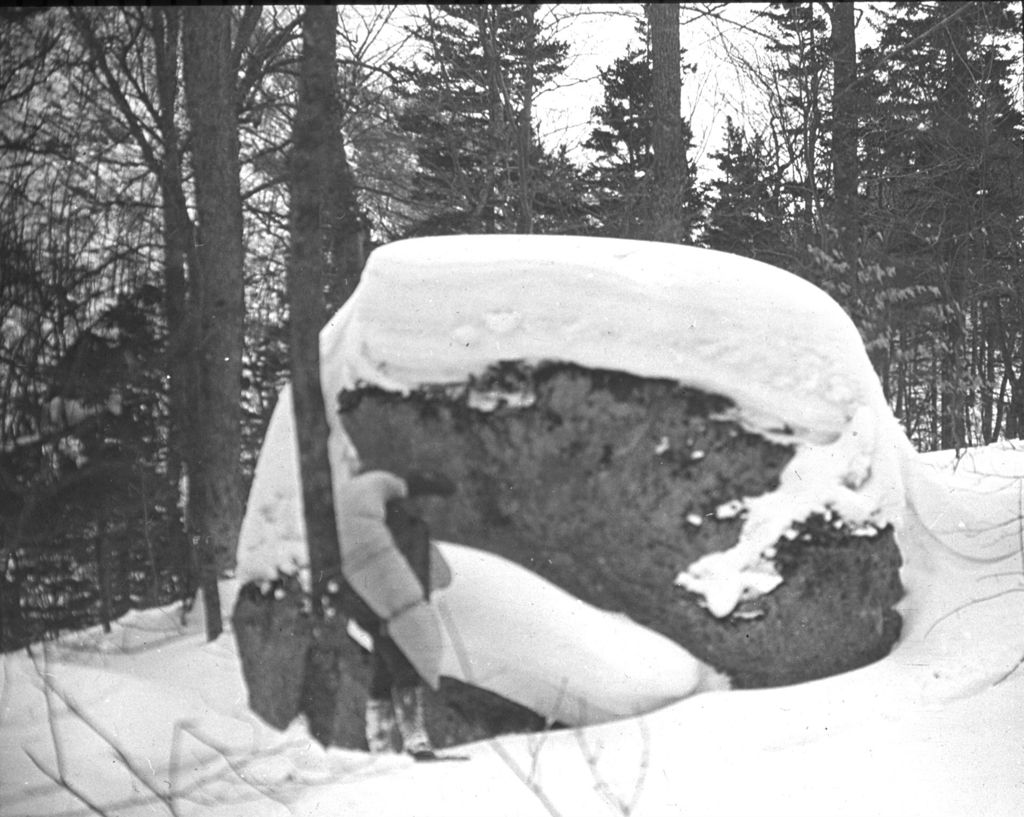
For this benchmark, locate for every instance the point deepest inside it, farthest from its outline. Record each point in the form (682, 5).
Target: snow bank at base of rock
(508, 630)
(963, 567)
(933, 730)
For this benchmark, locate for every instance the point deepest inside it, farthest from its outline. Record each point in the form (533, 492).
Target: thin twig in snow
(59, 779)
(49, 690)
(603, 788)
(238, 768)
(528, 780)
(961, 607)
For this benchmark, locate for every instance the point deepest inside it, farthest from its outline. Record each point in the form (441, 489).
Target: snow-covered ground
(150, 719)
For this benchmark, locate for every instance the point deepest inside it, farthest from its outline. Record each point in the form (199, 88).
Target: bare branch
(50, 690)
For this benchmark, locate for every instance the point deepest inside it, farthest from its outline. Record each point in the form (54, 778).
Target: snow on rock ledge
(437, 310)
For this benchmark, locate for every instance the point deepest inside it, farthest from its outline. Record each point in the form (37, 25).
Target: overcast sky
(600, 33)
(603, 35)
(714, 91)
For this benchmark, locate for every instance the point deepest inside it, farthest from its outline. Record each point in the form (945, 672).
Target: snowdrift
(152, 720)
(511, 632)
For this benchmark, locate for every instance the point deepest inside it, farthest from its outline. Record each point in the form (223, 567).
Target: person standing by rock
(391, 564)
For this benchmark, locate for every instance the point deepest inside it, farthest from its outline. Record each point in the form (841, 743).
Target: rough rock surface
(276, 644)
(609, 484)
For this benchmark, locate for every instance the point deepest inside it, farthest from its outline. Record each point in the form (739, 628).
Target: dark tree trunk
(211, 104)
(956, 249)
(497, 124)
(316, 148)
(103, 581)
(524, 215)
(296, 660)
(844, 120)
(1015, 410)
(310, 199)
(665, 214)
(321, 166)
(179, 250)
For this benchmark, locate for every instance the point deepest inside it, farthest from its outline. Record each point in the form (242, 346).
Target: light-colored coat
(379, 573)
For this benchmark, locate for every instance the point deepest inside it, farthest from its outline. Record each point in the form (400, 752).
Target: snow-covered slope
(962, 543)
(158, 723)
(935, 728)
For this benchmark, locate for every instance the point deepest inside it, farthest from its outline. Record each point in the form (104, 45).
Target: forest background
(157, 173)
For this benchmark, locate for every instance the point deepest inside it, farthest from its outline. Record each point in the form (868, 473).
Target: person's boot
(380, 725)
(412, 721)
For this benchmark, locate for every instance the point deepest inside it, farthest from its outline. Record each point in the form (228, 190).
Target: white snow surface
(436, 310)
(442, 310)
(501, 623)
(151, 719)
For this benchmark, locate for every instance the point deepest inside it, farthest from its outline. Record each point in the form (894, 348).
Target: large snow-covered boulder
(691, 438)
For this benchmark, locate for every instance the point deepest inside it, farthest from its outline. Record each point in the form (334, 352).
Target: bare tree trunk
(844, 119)
(103, 580)
(955, 260)
(1009, 407)
(179, 250)
(487, 24)
(307, 312)
(667, 220)
(316, 149)
(1015, 408)
(211, 104)
(162, 155)
(318, 128)
(524, 220)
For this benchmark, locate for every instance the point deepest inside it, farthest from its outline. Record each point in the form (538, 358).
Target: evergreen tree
(468, 105)
(620, 175)
(803, 108)
(669, 179)
(746, 217)
(561, 195)
(947, 190)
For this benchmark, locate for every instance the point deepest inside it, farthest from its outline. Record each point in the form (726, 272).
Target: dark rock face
(290, 670)
(608, 485)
